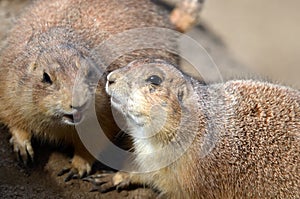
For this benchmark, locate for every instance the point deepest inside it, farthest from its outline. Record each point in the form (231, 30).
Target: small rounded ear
(183, 92)
(32, 67)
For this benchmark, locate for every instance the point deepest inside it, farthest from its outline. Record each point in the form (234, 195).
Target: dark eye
(46, 78)
(155, 80)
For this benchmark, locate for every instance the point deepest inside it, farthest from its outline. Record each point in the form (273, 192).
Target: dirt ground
(41, 180)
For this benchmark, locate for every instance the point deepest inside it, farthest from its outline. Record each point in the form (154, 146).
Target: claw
(76, 171)
(119, 188)
(80, 175)
(63, 171)
(87, 179)
(99, 179)
(71, 175)
(29, 149)
(23, 150)
(101, 182)
(105, 182)
(76, 176)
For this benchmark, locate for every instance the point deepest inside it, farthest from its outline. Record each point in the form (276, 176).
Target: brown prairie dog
(50, 43)
(238, 139)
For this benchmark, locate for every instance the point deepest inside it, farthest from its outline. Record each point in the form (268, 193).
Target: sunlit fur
(58, 37)
(238, 139)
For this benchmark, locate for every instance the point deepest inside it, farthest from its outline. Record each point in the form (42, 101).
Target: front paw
(105, 182)
(21, 142)
(79, 168)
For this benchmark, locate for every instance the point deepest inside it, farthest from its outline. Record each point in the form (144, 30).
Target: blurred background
(262, 35)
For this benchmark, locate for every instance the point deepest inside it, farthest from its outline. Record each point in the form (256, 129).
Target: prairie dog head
(151, 94)
(59, 84)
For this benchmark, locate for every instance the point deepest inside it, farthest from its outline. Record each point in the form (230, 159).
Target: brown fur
(57, 37)
(242, 136)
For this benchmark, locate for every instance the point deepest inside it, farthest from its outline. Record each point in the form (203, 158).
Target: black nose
(112, 77)
(110, 82)
(78, 108)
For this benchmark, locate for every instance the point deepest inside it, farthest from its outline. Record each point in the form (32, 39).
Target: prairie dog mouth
(73, 118)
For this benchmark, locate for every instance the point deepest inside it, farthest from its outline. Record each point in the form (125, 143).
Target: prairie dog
(238, 139)
(50, 43)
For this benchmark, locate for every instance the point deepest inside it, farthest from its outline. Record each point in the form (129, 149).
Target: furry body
(238, 139)
(51, 42)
